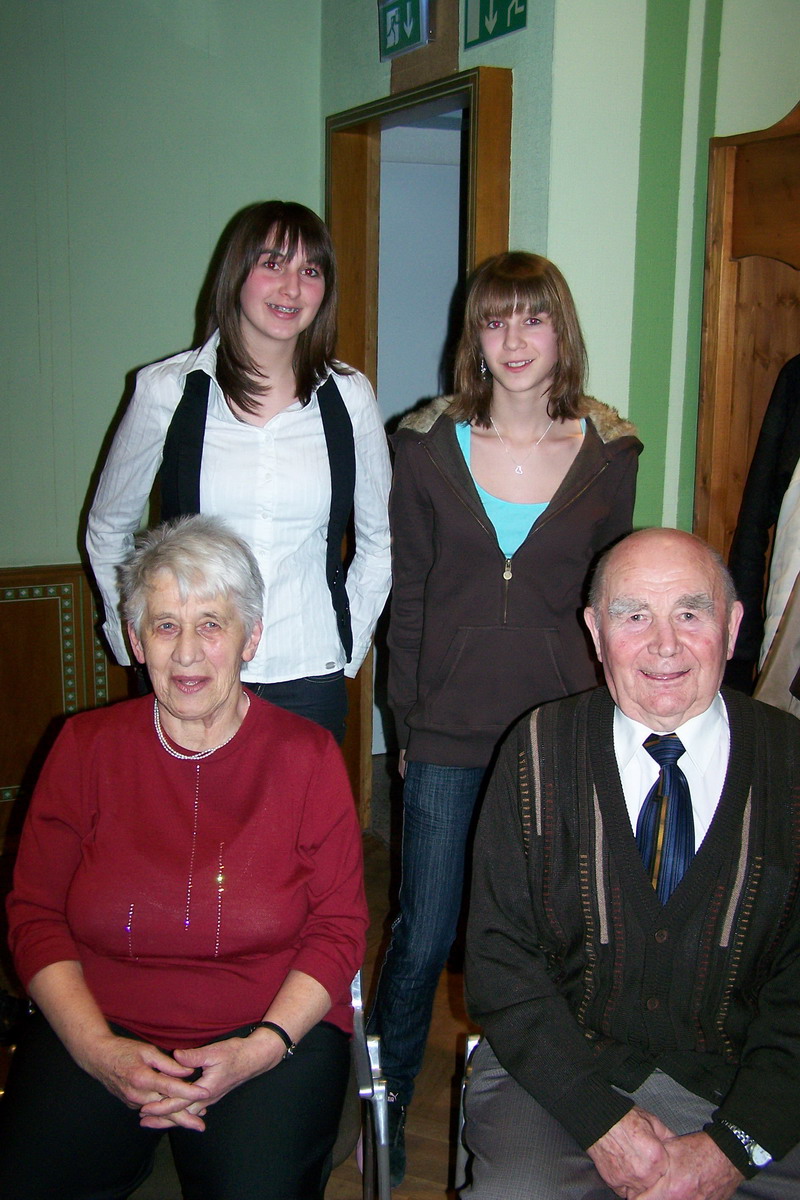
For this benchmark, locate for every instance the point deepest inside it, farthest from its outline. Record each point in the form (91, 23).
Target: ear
(251, 645)
(136, 645)
(734, 621)
(591, 624)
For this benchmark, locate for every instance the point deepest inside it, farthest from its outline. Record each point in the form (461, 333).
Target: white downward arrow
(491, 20)
(408, 25)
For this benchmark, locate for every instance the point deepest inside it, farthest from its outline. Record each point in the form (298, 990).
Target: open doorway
(421, 269)
(421, 261)
(472, 109)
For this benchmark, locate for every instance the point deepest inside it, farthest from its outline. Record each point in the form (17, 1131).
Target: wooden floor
(430, 1129)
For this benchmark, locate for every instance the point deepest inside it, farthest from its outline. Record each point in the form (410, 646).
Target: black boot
(397, 1141)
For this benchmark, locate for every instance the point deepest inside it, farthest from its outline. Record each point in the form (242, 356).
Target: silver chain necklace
(200, 753)
(518, 466)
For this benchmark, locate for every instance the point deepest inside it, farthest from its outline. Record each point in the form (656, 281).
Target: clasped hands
(162, 1087)
(641, 1159)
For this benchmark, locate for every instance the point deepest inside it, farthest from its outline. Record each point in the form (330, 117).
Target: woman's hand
(224, 1066)
(300, 1004)
(139, 1074)
(135, 1072)
(401, 764)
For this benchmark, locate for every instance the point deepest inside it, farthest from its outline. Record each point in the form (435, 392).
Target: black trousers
(321, 698)
(63, 1136)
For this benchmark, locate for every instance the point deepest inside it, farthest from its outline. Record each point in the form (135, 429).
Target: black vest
(183, 455)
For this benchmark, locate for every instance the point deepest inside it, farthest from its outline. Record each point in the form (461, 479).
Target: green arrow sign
(403, 26)
(489, 19)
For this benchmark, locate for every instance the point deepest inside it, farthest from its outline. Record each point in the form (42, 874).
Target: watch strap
(740, 1146)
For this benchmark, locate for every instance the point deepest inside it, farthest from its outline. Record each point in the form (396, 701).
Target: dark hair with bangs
(519, 282)
(287, 226)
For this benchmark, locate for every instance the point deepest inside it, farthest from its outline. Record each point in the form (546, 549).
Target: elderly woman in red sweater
(187, 914)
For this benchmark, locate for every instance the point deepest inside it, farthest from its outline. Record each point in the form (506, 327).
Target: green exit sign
(403, 26)
(489, 19)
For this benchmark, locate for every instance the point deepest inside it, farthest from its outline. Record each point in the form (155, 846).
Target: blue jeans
(438, 806)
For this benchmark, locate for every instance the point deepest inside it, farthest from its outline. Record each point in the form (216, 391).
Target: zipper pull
(508, 573)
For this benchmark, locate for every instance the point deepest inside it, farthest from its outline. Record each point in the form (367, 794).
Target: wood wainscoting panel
(51, 665)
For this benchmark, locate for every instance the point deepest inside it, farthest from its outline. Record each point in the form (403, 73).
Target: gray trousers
(519, 1152)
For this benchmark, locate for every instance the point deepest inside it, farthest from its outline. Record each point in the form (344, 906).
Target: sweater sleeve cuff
(116, 641)
(731, 1147)
(589, 1112)
(401, 732)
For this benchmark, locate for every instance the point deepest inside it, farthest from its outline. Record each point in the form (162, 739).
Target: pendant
(517, 469)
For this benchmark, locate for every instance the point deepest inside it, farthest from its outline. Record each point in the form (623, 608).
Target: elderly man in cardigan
(633, 952)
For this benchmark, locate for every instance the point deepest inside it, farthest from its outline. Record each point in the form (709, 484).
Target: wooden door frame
(352, 208)
(750, 306)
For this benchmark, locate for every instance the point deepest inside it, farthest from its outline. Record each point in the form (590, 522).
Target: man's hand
(697, 1170)
(631, 1157)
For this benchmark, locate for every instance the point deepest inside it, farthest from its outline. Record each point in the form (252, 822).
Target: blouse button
(662, 935)
(653, 1003)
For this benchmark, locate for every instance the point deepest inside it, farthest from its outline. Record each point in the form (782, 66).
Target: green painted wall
(594, 170)
(529, 53)
(639, 88)
(759, 67)
(131, 133)
(658, 194)
(351, 71)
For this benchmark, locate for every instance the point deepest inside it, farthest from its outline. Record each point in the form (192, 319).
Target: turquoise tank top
(512, 522)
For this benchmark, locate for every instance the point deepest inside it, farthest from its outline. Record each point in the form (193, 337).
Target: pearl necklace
(518, 466)
(200, 753)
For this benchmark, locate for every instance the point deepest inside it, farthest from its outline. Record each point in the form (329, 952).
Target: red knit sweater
(188, 890)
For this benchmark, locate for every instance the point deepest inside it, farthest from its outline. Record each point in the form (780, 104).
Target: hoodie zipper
(508, 565)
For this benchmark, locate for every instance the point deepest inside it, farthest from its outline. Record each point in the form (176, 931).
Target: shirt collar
(204, 359)
(700, 735)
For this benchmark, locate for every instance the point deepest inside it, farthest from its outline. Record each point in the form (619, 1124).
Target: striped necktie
(665, 829)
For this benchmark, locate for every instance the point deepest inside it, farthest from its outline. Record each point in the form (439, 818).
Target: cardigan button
(653, 1003)
(662, 935)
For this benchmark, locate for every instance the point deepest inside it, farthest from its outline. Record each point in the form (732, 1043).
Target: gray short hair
(597, 585)
(204, 557)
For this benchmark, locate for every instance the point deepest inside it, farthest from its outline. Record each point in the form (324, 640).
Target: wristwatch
(757, 1155)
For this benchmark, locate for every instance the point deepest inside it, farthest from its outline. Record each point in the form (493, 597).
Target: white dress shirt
(706, 740)
(273, 487)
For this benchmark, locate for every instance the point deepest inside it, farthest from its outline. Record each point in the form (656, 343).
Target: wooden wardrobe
(751, 309)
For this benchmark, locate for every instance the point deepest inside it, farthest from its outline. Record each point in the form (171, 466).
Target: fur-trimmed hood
(606, 420)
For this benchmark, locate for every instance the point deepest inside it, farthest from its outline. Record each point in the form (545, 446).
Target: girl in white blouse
(261, 426)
